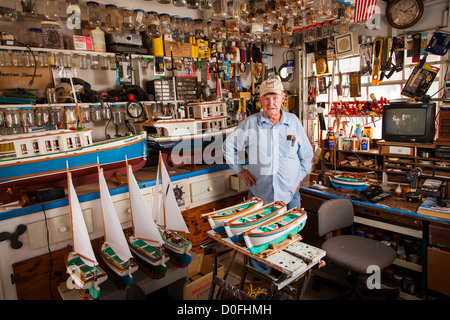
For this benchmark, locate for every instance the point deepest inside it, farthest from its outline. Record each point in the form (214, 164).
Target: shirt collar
(262, 118)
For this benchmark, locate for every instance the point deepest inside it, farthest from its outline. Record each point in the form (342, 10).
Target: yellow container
(201, 48)
(157, 47)
(194, 47)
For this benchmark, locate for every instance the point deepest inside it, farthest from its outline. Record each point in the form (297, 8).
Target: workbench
(293, 260)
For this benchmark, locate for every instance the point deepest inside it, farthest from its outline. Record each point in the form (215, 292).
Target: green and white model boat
(218, 218)
(81, 264)
(114, 250)
(275, 230)
(168, 217)
(237, 226)
(146, 241)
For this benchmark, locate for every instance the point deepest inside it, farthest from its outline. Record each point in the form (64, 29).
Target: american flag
(364, 9)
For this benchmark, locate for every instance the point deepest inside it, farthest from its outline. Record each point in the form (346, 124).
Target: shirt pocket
(288, 148)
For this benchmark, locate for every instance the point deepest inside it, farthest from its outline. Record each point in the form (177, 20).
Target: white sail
(174, 219)
(158, 213)
(80, 236)
(144, 226)
(114, 235)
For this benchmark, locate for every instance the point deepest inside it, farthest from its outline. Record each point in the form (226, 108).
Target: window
(23, 149)
(48, 146)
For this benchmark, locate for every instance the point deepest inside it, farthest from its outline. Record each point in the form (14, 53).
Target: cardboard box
(82, 43)
(179, 49)
(237, 184)
(200, 278)
(406, 151)
(438, 274)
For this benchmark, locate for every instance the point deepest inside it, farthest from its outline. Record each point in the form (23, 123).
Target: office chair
(352, 252)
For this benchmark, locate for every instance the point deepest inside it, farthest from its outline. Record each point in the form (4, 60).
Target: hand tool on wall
(376, 61)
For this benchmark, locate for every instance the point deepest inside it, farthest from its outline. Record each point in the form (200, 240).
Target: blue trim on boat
(96, 195)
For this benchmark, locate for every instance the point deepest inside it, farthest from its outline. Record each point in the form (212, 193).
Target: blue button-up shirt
(278, 164)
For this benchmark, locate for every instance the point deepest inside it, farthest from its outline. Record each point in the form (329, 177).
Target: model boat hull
(348, 183)
(177, 246)
(123, 269)
(147, 252)
(217, 219)
(235, 227)
(40, 172)
(275, 230)
(83, 276)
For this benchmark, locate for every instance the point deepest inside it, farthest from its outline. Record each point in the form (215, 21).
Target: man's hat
(271, 85)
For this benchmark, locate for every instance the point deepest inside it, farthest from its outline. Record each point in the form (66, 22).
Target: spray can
(330, 138)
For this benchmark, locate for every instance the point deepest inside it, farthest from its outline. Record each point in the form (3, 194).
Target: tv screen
(406, 121)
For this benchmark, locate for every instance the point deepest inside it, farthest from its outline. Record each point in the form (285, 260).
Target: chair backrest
(334, 214)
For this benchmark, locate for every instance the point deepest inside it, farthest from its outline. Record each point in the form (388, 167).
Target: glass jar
(199, 28)
(310, 33)
(164, 1)
(28, 59)
(51, 95)
(205, 4)
(153, 25)
(96, 112)
(93, 14)
(177, 29)
(127, 19)
(56, 116)
(104, 62)
(52, 33)
(232, 26)
(42, 59)
(16, 58)
(326, 8)
(28, 8)
(112, 63)
(95, 60)
(298, 38)
(85, 114)
(140, 20)
(67, 60)
(193, 4)
(326, 32)
(318, 28)
(70, 115)
(118, 114)
(188, 27)
(179, 3)
(5, 59)
(42, 116)
(340, 10)
(36, 38)
(83, 61)
(219, 9)
(51, 9)
(12, 117)
(28, 119)
(106, 112)
(334, 9)
(113, 23)
(166, 27)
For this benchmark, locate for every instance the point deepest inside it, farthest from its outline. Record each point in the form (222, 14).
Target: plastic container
(56, 116)
(98, 39)
(355, 143)
(12, 117)
(365, 142)
(85, 114)
(27, 117)
(219, 9)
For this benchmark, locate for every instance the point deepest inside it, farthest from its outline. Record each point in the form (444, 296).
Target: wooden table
(293, 259)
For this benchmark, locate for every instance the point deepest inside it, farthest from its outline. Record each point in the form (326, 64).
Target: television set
(409, 122)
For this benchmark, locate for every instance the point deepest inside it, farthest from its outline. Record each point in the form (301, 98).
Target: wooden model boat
(218, 218)
(37, 160)
(81, 264)
(168, 217)
(235, 227)
(114, 250)
(146, 241)
(274, 230)
(349, 181)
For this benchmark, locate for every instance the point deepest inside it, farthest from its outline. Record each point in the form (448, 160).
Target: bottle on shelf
(365, 142)
(341, 140)
(330, 138)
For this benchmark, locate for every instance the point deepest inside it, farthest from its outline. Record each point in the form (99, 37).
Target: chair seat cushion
(357, 253)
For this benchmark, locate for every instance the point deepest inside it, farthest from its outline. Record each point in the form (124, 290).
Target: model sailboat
(146, 241)
(81, 263)
(168, 217)
(115, 250)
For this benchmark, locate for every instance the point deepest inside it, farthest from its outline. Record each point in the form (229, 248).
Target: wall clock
(402, 14)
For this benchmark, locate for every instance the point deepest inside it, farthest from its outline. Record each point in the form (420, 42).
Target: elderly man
(279, 152)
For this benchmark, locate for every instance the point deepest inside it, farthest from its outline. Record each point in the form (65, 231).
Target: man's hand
(247, 177)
